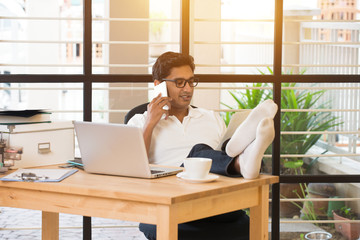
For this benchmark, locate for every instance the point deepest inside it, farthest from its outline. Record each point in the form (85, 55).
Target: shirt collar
(194, 112)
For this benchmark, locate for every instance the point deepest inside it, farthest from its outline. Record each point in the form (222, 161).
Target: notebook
(116, 149)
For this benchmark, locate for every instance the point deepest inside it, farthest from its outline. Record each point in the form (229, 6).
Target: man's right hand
(155, 109)
(154, 113)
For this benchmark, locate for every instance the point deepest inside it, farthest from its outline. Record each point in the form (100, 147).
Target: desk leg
(166, 227)
(50, 226)
(259, 216)
(86, 228)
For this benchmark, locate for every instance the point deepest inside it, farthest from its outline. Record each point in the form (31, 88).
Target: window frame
(87, 78)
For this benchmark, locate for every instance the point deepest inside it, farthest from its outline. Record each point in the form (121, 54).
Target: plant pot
(334, 205)
(318, 190)
(290, 190)
(323, 189)
(349, 230)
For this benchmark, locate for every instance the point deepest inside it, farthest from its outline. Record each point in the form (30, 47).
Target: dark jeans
(229, 226)
(221, 161)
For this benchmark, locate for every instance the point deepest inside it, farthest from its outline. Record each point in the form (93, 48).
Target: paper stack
(13, 117)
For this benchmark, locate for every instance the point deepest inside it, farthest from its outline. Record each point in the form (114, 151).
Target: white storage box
(43, 143)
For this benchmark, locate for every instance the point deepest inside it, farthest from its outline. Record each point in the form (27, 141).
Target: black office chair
(138, 109)
(228, 227)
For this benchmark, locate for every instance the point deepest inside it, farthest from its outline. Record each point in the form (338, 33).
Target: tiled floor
(21, 224)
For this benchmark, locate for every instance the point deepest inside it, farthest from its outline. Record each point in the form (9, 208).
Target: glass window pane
(320, 128)
(63, 100)
(313, 207)
(321, 37)
(111, 101)
(232, 36)
(41, 37)
(129, 39)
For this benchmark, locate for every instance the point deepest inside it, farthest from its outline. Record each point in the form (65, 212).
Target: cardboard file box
(43, 143)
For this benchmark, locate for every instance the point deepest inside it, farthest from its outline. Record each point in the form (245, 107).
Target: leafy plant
(248, 99)
(346, 212)
(310, 213)
(291, 121)
(302, 121)
(302, 236)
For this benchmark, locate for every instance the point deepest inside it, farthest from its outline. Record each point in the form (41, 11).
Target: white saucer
(209, 178)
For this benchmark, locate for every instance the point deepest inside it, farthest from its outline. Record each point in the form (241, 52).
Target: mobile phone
(161, 88)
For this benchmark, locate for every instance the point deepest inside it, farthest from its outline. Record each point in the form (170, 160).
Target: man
(183, 131)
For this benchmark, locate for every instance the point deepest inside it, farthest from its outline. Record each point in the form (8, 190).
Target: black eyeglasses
(181, 82)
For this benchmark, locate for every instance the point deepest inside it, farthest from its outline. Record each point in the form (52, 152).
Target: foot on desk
(250, 159)
(246, 132)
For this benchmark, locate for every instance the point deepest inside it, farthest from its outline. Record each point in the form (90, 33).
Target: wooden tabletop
(165, 190)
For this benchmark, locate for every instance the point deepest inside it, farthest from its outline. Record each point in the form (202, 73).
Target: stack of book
(14, 117)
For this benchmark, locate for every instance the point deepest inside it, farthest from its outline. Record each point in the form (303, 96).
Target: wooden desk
(165, 202)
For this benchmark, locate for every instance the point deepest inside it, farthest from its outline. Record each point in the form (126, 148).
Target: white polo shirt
(172, 140)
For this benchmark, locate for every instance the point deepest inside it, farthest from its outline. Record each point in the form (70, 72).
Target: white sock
(246, 132)
(250, 159)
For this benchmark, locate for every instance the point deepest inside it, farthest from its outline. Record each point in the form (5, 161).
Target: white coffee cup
(197, 168)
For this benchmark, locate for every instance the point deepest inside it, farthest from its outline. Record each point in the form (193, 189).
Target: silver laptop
(116, 149)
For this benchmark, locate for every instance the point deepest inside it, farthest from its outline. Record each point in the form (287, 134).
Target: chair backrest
(138, 110)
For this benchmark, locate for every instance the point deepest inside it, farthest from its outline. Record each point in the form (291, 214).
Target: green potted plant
(349, 230)
(290, 121)
(291, 98)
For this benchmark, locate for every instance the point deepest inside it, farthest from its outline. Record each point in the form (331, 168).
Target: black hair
(169, 60)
